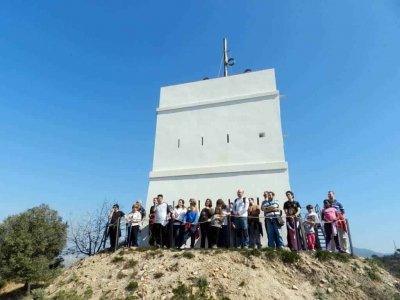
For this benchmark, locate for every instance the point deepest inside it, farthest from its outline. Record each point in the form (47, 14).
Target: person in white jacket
(240, 207)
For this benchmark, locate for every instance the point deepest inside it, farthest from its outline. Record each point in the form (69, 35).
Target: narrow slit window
(179, 143)
(227, 138)
(202, 141)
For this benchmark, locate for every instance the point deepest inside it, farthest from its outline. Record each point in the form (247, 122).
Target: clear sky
(80, 82)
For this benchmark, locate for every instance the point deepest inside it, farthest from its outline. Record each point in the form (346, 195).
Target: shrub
(289, 257)
(3, 283)
(130, 264)
(242, 284)
(323, 255)
(117, 259)
(38, 294)
(270, 253)
(340, 257)
(188, 254)
(132, 286)
(151, 254)
(120, 275)
(73, 278)
(200, 282)
(373, 275)
(180, 292)
(158, 275)
(87, 294)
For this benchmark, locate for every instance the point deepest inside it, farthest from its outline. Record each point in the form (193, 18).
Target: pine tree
(31, 242)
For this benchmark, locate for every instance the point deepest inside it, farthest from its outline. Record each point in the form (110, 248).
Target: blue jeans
(192, 233)
(139, 237)
(274, 234)
(242, 232)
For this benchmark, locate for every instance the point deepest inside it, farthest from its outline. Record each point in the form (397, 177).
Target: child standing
(292, 231)
(309, 224)
(190, 219)
(330, 215)
(216, 223)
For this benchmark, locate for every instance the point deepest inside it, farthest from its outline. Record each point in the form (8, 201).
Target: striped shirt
(271, 203)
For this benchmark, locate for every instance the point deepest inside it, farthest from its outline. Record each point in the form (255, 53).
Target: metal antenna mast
(227, 62)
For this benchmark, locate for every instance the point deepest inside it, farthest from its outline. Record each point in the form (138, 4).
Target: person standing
(292, 210)
(254, 225)
(179, 228)
(114, 229)
(152, 217)
(204, 220)
(143, 217)
(240, 207)
(341, 223)
(160, 222)
(215, 226)
(271, 210)
(232, 227)
(223, 238)
(134, 221)
(330, 218)
(191, 218)
(262, 208)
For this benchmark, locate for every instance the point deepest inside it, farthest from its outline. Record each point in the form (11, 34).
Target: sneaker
(183, 247)
(246, 247)
(240, 247)
(342, 251)
(214, 247)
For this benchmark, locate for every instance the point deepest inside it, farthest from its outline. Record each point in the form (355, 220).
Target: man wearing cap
(114, 229)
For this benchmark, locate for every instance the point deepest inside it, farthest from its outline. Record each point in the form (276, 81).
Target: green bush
(117, 259)
(289, 257)
(200, 282)
(180, 292)
(373, 275)
(132, 286)
(323, 255)
(3, 283)
(130, 264)
(188, 254)
(158, 275)
(38, 294)
(270, 254)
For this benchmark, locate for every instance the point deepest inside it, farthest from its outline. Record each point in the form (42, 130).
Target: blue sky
(80, 81)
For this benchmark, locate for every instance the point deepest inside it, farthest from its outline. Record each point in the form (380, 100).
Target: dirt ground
(233, 274)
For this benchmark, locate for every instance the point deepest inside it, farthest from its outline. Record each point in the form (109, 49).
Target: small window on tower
(202, 141)
(227, 138)
(261, 134)
(179, 143)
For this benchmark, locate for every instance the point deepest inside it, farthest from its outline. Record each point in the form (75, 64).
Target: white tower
(216, 136)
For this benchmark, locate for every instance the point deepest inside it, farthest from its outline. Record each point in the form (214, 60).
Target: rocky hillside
(223, 274)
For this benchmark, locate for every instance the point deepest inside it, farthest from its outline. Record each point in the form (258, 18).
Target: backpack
(244, 200)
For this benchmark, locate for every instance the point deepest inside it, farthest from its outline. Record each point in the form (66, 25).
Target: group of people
(236, 224)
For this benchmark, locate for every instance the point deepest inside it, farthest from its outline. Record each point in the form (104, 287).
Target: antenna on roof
(227, 62)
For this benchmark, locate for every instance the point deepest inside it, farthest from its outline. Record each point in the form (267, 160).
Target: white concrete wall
(241, 106)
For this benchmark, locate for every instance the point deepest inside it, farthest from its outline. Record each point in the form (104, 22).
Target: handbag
(280, 220)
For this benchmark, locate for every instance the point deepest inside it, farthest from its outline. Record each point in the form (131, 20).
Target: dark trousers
(328, 236)
(151, 235)
(160, 233)
(213, 236)
(223, 237)
(128, 235)
(113, 236)
(179, 231)
(134, 234)
(254, 235)
(204, 231)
